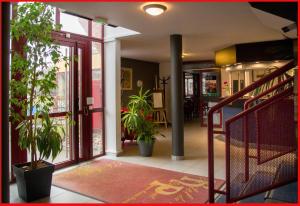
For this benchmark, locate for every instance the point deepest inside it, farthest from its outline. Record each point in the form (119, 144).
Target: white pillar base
(177, 157)
(113, 153)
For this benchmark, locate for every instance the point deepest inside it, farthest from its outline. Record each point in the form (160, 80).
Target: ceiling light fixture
(154, 9)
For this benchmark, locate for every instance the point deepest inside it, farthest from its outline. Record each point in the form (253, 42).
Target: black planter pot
(145, 148)
(34, 184)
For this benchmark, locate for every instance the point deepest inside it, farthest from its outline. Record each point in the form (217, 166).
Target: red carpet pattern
(120, 182)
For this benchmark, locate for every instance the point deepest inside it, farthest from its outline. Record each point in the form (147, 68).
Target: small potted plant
(33, 80)
(138, 119)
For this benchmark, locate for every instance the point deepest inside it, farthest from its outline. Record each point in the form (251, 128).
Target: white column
(112, 75)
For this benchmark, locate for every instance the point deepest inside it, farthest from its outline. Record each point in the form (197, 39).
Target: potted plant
(138, 119)
(33, 79)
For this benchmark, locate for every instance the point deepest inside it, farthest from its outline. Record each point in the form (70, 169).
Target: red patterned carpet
(119, 182)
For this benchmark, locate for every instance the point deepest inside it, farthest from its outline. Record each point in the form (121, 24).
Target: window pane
(48, 6)
(74, 24)
(79, 79)
(97, 74)
(61, 94)
(97, 124)
(80, 136)
(65, 154)
(97, 30)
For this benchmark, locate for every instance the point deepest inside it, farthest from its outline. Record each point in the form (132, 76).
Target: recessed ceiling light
(257, 62)
(154, 9)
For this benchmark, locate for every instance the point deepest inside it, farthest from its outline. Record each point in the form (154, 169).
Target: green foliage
(137, 118)
(33, 79)
(49, 141)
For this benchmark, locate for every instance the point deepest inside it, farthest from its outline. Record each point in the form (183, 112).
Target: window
(97, 30)
(189, 85)
(78, 25)
(74, 24)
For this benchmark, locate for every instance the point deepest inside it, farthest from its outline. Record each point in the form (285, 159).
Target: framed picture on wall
(210, 83)
(126, 79)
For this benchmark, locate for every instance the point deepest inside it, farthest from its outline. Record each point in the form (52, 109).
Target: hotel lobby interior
(146, 102)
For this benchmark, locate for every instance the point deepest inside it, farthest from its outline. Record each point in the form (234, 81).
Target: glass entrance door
(63, 104)
(90, 101)
(79, 93)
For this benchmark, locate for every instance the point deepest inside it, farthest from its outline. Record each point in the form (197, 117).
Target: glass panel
(66, 152)
(80, 136)
(97, 74)
(217, 115)
(97, 133)
(48, 7)
(74, 24)
(242, 80)
(62, 104)
(61, 94)
(97, 30)
(79, 79)
(9, 136)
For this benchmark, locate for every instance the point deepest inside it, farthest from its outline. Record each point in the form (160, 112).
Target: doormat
(113, 181)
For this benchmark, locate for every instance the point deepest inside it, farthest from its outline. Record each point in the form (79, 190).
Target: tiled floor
(195, 161)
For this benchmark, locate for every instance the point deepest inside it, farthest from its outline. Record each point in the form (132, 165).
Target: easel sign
(159, 111)
(158, 101)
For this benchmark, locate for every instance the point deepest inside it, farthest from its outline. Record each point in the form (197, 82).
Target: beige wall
(224, 77)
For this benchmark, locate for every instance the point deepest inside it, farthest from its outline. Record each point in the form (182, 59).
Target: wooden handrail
(225, 102)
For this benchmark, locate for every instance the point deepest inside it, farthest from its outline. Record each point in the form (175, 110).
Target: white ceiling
(205, 27)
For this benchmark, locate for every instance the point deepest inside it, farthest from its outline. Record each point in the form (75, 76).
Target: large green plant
(33, 79)
(138, 117)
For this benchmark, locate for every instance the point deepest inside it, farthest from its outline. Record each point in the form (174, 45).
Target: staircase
(261, 143)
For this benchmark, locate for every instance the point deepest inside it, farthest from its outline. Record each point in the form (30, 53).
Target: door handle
(86, 110)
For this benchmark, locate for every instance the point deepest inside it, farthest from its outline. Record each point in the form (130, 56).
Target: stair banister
(225, 102)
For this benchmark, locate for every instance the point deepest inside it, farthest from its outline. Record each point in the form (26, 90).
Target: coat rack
(159, 109)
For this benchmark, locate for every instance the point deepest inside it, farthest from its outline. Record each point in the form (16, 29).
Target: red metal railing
(211, 132)
(277, 88)
(272, 143)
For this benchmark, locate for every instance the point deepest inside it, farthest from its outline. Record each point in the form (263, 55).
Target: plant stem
(31, 138)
